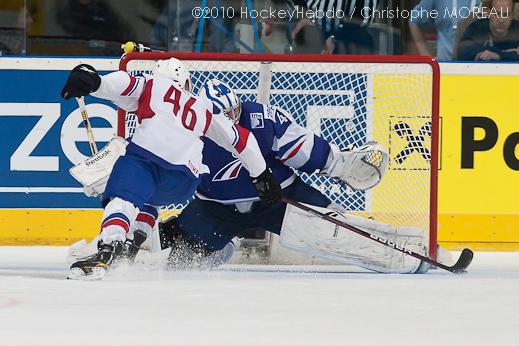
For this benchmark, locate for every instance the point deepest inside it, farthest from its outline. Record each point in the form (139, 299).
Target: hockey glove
(83, 80)
(360, 168)
(269, 190)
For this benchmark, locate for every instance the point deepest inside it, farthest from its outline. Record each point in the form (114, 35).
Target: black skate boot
(95, 266)
(132, 247)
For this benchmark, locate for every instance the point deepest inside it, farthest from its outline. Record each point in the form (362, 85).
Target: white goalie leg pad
(81, 249)
(305, 232)
(93, 173)
(361, 168)
(152, 243)
(118, 218)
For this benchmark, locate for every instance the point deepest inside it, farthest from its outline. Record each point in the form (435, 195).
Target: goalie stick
(84, 115)
(459, 267)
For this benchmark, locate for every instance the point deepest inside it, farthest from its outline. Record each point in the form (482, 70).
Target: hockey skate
(131, 247)
(95, 267)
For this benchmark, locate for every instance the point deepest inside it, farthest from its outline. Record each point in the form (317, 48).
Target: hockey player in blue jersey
(226, 203)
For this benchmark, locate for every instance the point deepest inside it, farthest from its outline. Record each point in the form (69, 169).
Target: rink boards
(41, 204)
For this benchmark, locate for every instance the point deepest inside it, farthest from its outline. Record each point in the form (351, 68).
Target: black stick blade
(463, 262)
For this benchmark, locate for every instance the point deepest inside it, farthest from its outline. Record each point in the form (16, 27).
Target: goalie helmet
(173, 69)
(223, 98)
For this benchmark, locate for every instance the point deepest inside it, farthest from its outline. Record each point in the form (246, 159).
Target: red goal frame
(433, 217)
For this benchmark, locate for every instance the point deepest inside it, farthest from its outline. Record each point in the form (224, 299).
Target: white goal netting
(348, 103)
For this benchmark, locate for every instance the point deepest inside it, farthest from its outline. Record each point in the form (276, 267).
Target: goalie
(226, 203)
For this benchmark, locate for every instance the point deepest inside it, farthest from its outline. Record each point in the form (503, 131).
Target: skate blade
(78, 274)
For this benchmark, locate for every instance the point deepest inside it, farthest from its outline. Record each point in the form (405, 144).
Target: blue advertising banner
(42, 136)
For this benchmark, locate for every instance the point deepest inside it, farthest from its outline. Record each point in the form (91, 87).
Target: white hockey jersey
(173, 122)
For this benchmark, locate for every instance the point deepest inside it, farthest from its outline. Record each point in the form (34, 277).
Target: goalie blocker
(93, 173)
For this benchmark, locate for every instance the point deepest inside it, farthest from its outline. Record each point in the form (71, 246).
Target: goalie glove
(93, 173)
(360, 168)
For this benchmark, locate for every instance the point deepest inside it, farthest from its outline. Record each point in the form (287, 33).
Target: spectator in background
(492, 38)
(176, 29)
(341, 35)
(445, 24)
(12, 38)
(92, 19)
(463, 24)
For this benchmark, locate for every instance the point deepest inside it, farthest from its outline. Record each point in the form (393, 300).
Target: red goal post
(348, 100)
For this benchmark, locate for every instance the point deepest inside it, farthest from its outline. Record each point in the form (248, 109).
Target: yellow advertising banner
(479, 159)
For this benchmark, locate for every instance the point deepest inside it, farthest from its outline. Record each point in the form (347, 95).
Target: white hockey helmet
(173, 69)
(223, 98)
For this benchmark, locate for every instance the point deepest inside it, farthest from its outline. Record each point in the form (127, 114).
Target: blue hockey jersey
(283, 143)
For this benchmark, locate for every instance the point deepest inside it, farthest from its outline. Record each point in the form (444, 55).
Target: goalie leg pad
(304, 232)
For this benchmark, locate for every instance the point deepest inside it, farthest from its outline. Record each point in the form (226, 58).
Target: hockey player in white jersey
(163, 161)
(226, 204)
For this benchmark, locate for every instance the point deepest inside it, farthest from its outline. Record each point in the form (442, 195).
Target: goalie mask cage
(348, 100)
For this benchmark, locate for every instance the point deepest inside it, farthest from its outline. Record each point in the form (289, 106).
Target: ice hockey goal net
(348, 100)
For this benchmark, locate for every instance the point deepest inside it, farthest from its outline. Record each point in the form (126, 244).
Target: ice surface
(256, 305)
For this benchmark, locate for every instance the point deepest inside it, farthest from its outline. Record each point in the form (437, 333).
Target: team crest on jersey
(229, 172)
(256, 120)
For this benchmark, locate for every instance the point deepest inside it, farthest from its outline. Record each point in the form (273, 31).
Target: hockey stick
(459, 267)
(84, 115)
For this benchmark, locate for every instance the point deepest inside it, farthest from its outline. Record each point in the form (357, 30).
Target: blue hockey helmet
(223, 98)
